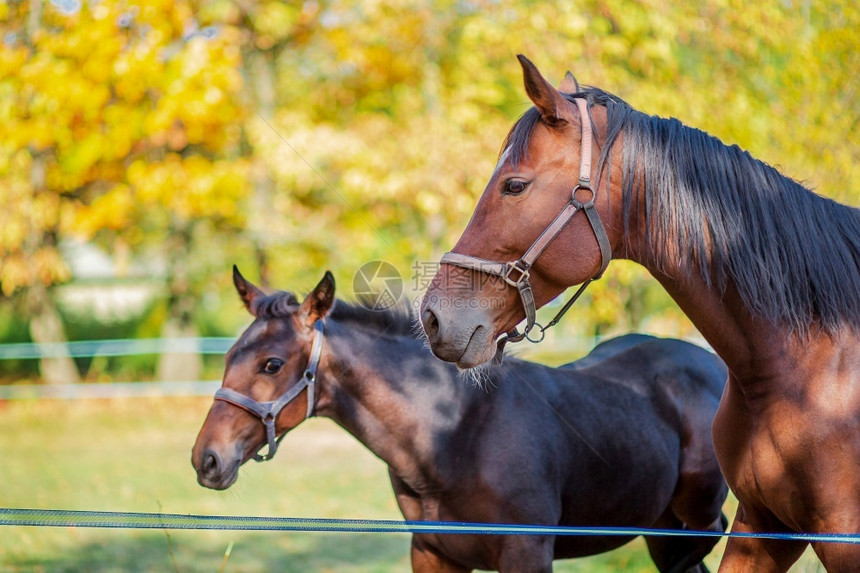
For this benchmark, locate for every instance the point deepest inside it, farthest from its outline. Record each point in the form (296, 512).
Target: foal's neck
(391, 394)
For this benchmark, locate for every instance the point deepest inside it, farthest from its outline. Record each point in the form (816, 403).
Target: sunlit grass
(134, 455)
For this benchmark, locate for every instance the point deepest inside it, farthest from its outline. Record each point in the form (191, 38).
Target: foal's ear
(569, 85)
(247, 292)
(317, 304)
(548, 101)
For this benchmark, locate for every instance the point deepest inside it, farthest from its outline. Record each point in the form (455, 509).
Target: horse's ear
(319, 302)
(548, 101)
(247, 291)
(569, 85)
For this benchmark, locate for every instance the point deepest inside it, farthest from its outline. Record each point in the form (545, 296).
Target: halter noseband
(516, 273)
(268, 411)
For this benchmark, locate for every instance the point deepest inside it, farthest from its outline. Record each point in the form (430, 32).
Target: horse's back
(682, 384)
(644, 359)
(695, 370)
(607, 349)
(670, 387)
(668, 378)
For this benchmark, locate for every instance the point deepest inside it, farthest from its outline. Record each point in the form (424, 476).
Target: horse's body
(766, 270)
(620, 438)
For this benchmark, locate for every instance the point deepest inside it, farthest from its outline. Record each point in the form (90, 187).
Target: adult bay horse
(620, 438)
(768, 271)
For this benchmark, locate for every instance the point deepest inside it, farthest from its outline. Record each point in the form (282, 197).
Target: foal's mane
(793, 255)
(395, 321)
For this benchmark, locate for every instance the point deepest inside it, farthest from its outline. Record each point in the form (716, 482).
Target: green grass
(134, 455)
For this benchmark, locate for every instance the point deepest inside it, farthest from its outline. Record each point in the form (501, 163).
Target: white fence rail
(120, 347)
(108, 390)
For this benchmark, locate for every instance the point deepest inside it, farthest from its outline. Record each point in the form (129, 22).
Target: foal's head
(269, 359)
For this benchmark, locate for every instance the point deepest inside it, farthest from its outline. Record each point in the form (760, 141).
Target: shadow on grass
(204, 551)
(122, 551)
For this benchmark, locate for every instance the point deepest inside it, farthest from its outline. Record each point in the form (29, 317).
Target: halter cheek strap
(268, 411)
(516, 273)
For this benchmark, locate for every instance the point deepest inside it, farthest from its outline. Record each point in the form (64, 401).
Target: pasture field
(134, 455)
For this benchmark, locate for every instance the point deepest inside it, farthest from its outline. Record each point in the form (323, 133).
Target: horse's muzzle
(213, 472)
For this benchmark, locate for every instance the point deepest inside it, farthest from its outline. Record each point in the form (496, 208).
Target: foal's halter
(268, 411)
(516, 273)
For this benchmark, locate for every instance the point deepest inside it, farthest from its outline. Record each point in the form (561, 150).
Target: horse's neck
(742, 341)
(721, 319)
(371, 391)
(752, 348)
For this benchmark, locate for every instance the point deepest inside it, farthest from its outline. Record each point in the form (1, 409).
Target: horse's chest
(775, 454)
(474, 551)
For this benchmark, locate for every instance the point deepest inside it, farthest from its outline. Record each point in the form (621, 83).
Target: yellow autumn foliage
(325, 133)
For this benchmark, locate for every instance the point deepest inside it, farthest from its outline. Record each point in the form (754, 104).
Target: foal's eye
(273, 366)
(514, 187)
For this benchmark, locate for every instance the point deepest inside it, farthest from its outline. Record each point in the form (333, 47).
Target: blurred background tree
(291, 137)
(122, 124)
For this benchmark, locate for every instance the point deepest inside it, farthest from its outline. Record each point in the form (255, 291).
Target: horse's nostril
(211, 464)
(430, 322)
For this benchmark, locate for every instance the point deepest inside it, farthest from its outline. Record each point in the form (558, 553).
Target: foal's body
(591, 445)
(620, 438)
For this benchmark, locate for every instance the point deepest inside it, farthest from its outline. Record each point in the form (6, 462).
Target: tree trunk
(260, 72)
(46, 328)
(174, 366)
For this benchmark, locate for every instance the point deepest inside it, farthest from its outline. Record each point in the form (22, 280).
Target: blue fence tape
(120, 347)
(130, 520)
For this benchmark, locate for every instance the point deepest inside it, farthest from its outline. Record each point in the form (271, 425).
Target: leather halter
(516, 273)
(268, 411)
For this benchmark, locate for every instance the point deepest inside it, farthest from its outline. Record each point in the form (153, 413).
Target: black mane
(395, 321)
(793, 255)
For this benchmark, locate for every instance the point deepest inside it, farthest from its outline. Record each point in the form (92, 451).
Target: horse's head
(465, 310)
(268, 386)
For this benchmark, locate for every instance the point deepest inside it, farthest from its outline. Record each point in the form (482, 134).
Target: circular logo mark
(377, 285)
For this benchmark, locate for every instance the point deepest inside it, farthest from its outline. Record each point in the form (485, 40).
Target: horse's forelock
(276, 305)
(516, 144)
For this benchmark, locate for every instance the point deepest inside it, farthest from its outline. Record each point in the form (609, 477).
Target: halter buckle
(514, 266)
(576, 202)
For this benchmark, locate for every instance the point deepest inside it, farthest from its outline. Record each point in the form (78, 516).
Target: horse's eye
(273, 366)
(514, 187)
